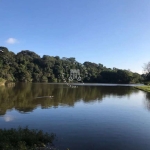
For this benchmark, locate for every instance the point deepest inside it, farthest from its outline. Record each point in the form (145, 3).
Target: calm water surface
(83, 118)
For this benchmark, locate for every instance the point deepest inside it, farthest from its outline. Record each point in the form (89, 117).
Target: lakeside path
(143, 88)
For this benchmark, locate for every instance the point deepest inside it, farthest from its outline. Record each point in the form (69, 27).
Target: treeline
(27, 66)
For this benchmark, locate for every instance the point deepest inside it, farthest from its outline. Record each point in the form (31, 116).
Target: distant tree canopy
(27, 66)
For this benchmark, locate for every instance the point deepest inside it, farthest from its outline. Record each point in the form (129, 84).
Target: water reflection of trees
(147, 102)
(23, 97)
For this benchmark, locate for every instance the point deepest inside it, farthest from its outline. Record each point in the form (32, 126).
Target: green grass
(143, 88)
(24, 139)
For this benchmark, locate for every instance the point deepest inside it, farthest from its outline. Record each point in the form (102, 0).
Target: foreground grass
(24, 139)
(143, 88)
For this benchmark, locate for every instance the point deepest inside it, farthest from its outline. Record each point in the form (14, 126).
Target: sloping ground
(143, 88)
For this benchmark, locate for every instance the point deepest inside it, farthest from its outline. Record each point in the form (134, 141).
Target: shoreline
(143, 88)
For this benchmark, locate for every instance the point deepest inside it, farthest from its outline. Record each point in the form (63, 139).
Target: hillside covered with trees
(27, 66)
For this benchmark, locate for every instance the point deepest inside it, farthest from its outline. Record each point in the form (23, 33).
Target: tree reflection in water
(147, 101)
(23, 96)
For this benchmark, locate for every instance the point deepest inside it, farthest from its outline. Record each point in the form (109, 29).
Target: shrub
(24, 139)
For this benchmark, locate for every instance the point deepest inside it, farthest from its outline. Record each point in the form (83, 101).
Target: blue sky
(115, 33)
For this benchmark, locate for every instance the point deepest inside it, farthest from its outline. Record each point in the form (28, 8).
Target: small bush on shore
(24, 139)
(2, 81)
(146, 83)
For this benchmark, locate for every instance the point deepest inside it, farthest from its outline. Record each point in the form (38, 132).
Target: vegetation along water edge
(25, 139)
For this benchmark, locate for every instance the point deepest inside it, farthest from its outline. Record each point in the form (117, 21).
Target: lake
(90, 117)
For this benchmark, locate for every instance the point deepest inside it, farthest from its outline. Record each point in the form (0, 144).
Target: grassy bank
(2, 81)
(143, 88)
(24, 139)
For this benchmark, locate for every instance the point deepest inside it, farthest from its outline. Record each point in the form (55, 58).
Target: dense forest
(27, 66)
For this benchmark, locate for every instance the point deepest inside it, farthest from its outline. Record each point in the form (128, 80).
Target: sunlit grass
(24, 139)
(143, 88)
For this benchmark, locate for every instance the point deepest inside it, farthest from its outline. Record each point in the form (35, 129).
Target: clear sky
(115, 33)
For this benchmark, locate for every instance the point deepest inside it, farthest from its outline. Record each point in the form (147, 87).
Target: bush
(24, 139)
(146, 83)
(2, 81)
